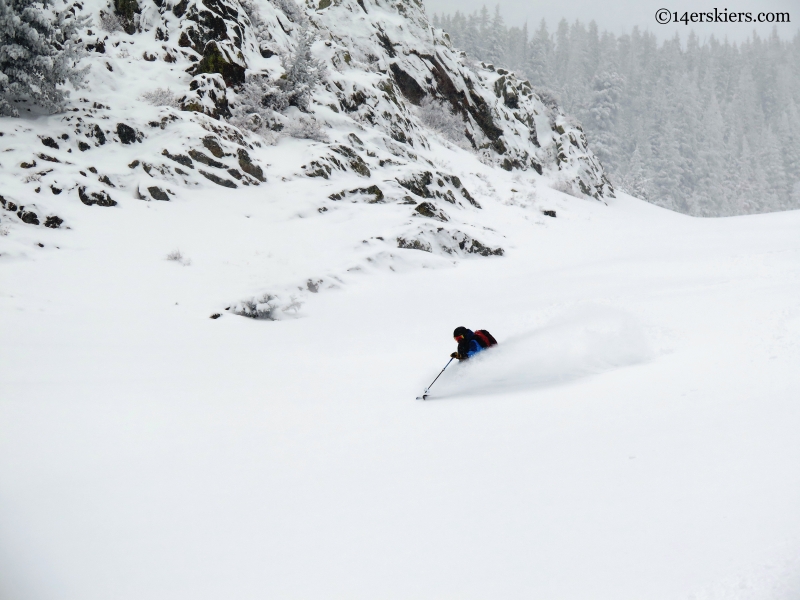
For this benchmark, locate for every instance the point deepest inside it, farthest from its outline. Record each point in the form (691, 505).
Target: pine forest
(707, 128)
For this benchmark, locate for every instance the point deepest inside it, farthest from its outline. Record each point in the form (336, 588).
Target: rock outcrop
(170, 83)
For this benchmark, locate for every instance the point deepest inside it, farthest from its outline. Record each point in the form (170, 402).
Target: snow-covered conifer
(303, 71)
(602, 115)
(690, 105)
(495, 42)
(38, 51)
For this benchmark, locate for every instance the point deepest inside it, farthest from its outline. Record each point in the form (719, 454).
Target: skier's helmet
(460, 331)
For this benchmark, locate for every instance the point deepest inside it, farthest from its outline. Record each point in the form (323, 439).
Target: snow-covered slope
(633, 436)
(155, 123)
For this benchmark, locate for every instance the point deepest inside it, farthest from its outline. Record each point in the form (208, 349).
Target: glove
(457, 355)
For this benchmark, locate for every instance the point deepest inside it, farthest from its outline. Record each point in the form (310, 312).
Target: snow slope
(633, 436)
(156, 123)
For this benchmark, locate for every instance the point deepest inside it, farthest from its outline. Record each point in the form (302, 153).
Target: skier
(471, 342)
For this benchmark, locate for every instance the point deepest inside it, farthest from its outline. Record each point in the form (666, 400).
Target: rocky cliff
(165, 111)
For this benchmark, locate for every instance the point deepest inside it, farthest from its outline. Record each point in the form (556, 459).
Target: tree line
(708, 129)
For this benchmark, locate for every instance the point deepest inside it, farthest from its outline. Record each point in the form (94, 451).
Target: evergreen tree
(540, 57)
(705, 128)
(303, 72)
(496, 39)
(38, 51)
(472, 37)
(601, 116)
(484, 24)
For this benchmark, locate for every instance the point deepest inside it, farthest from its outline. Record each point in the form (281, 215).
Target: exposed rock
(212, 145)
(154, 192)
(7, 204)
(95, 198)
(206, 160)
(98, 46)
(207, 95)
(373, 190)
(178, 158)
(427, 209)
(248, 166)
(409, 86)
(50, 142)
(473, 246)
(28, 216)
(418, 184)
(317, 169)
(218, 180)
(126, 133)
(99, 135)
(449, 242)
(217, 60)
(127, 12)
(413, 244)
(53, 222)
(549, 213)
(357, 164)
(469, 198)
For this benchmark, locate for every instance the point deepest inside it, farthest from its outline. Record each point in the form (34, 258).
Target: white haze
(621, 16)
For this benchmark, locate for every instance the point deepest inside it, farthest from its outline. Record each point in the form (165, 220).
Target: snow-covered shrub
(260, 98)
(256, 103)
(305, 127)
(178, 257)
(161, 97)
(39, 47)
(4, 230)
(110, 22)
(291, 10)
(565, 185)
(258, 308)
(251, 10)
(268, 307)
(438, 116)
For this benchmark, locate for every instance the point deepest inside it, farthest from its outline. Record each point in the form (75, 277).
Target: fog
(620, 16)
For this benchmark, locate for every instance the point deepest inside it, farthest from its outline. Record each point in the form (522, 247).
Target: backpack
(485, 339)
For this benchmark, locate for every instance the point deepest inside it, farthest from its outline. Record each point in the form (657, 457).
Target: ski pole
(425, 393)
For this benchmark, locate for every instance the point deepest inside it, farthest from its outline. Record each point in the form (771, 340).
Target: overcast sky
(620, 16)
